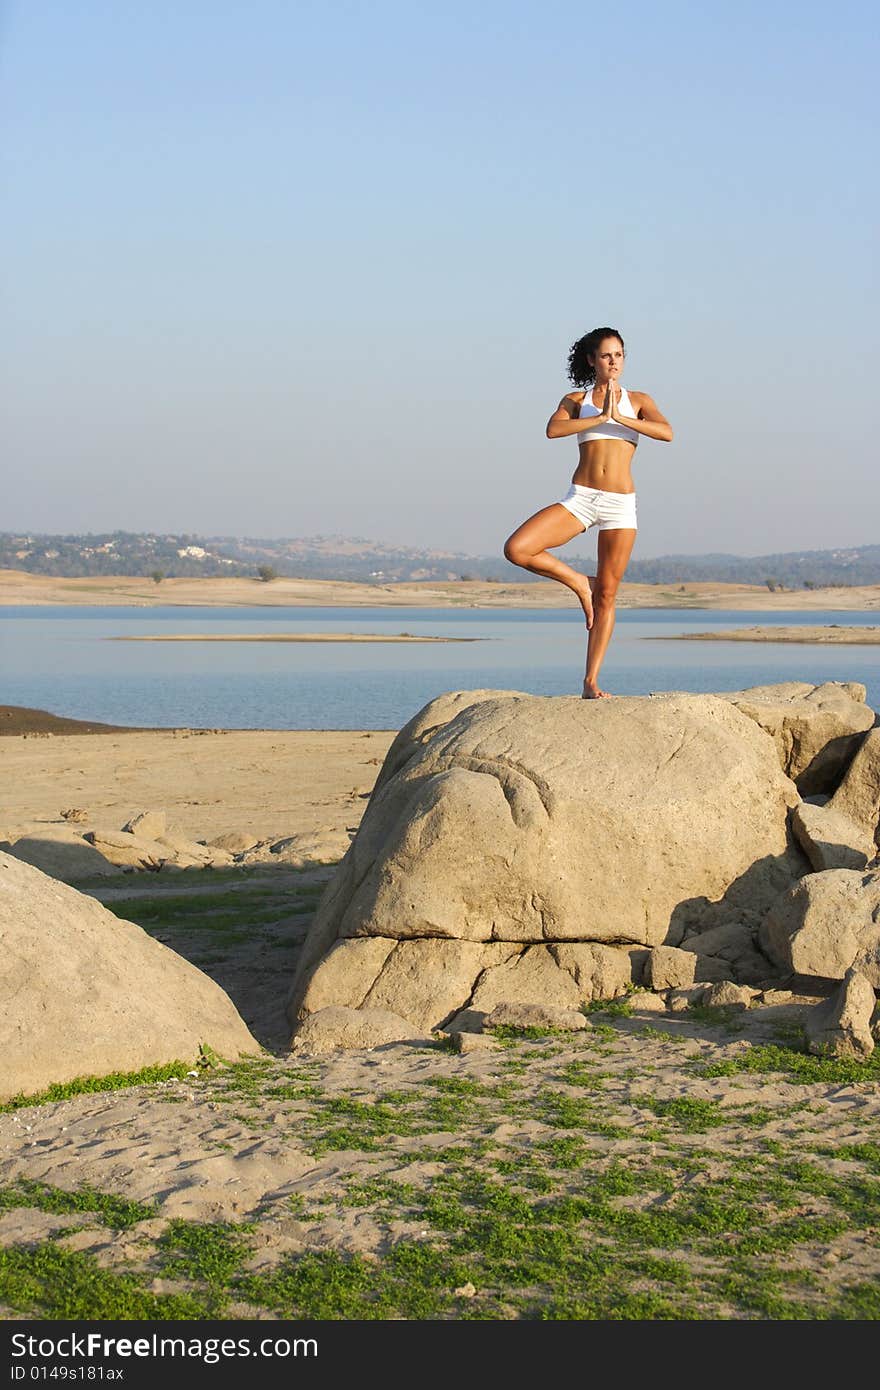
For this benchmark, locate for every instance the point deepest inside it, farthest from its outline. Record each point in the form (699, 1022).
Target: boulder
(323, 847)
(128, 851)
(726, 995)
(521, 823)
(830, 839)
(234, 841)
(474, 1042)
(671, 968)
(643, 1001)
(83, 993)
(512, 1015)
(683, 997)
(193, 854)
(858, 796)
(336, 1029)
(841, 1026)
(600, 972)
(816, 728)
(62, 854)
(149, 825)
(825, 924)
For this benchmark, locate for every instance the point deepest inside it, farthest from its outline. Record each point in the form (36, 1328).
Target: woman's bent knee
(516, 552)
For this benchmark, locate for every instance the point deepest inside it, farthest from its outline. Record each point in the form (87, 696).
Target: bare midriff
(605, 464)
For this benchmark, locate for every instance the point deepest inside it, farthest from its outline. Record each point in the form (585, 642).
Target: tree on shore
(157, 576)
(266, 573)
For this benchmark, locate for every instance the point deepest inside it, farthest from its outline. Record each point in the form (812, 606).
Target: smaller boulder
(724, 994)
(62, 854)
(841, 1026)
(127, 850)
(192, 854)
(324, 847)
(233, 841)
(474, 1042)
(509, 1014)
(150, 825)
(672, 968)
(826, 923)
(339, 1028)
(644, 1001)
(678, 1001)
(858, 796)
(830, 839)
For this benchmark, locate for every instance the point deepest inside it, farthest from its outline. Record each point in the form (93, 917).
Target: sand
(19, 587)
(270, 1146)
(853, 636)
(270, 782)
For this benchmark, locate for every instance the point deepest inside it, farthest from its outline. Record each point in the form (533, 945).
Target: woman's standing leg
(528, 548)
(615, 548)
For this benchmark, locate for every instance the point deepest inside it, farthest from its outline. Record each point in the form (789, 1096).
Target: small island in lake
(288, 637)
(834, 633)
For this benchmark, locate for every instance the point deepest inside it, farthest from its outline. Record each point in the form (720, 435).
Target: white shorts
(610, 511)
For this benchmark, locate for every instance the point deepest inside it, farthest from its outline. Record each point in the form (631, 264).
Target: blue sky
(314, 268)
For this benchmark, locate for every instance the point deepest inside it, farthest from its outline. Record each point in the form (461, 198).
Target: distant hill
(366, 561)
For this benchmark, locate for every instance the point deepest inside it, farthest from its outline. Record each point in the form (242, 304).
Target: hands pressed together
(611, 402)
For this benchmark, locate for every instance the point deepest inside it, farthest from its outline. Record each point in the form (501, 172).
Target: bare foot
(586, 601)
(592, 692)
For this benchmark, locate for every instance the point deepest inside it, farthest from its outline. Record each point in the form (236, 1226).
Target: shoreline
(835, 635)
(21, 589)
(289, 637)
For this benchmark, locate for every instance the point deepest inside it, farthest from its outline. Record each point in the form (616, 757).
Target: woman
(607, 420)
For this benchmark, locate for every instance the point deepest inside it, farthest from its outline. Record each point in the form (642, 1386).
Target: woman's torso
(605, 453)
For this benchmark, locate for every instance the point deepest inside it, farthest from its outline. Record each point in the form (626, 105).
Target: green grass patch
(117, 1212)
(794, 1066)
(87, 1085)
(50, 1282)
(687, 1113)
(211, 1253)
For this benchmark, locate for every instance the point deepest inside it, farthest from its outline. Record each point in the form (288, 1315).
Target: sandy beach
(720, 1173)
(19, 587)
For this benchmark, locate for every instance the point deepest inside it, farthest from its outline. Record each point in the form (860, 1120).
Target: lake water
(58, 659)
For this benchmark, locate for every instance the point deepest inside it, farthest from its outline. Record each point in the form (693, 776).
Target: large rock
(830, 839)
(858, 796)
(816, 728)
(529, 822)
(825, 924)
(83, 993)
(841, 1027)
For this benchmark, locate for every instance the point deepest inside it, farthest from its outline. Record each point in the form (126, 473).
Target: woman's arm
(649, 421)
(565, 419)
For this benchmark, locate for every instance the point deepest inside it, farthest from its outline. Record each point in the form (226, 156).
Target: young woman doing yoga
(608, 421)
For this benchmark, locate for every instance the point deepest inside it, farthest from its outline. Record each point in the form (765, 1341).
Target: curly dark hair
(580, 369)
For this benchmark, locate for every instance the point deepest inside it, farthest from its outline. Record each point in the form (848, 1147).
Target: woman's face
(608, 360)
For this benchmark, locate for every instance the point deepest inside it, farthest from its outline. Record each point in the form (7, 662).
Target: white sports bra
(611, 430)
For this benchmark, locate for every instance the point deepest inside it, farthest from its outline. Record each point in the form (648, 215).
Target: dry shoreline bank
(288, 637)
(833, 635)
(20, 588)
